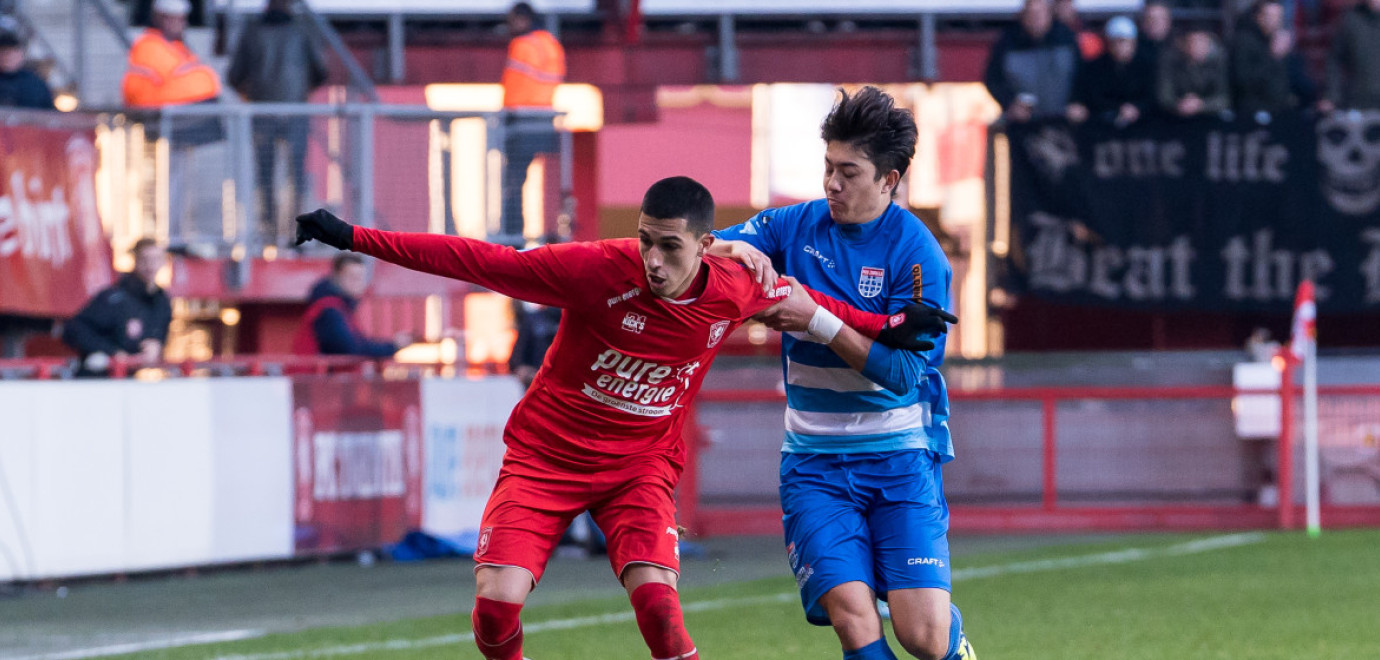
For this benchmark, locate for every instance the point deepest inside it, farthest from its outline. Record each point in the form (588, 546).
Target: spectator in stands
(536, 65)
(276, 61)
(1156, 24)
(329, 327)
(162, 70)
(1192, 78)
(1033, 65)
(536, 329)
(1119, 86)
(19, 86)
(1260, 63)
(129, 319)
(1090, 44)
(1353, 65)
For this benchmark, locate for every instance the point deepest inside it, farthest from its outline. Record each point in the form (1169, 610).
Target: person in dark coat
(277, 61)
(1032, 66)
(329, 327)
(1119, 86)
(536, 329)
(19, 86)
(129, 319)
(1192, 78)
(1156, 24)
(1353, 64)
(1260, 62)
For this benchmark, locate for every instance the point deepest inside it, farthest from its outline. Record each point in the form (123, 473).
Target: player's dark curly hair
(681, 197)
(870, 121)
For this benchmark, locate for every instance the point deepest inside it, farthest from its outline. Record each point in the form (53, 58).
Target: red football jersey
(625, 362)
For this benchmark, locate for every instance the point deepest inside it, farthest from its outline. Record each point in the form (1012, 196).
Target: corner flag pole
(1310, 437)
(1304, 346)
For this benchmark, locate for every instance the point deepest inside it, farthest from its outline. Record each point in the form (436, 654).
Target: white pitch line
(1113, 557)
(1082, 561)
(527, 629)
(151, 645)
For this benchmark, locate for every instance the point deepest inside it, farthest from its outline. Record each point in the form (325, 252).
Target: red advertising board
(53, 252)
(357, 455)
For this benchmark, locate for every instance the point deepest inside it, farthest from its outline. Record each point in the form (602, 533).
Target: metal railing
(209, 178)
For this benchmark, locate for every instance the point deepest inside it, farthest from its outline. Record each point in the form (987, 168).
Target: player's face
(854, 191)
(671, 254)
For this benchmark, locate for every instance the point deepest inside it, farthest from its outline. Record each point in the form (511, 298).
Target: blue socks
(877, 650)
(955, 632)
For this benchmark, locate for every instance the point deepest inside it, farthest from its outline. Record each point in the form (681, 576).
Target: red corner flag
(1305, 320)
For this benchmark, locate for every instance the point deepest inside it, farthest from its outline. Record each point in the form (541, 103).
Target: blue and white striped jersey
(899, 401)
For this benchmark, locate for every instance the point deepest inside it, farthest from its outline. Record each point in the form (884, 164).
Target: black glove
(322, 225)
(906, 329)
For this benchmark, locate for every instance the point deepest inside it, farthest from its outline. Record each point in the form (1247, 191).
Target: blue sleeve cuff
(896, 370)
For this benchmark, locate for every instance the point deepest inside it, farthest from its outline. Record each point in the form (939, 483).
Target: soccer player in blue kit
(866, 429)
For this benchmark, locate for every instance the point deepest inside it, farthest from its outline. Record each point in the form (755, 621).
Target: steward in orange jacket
(536, 62)
(162, 70)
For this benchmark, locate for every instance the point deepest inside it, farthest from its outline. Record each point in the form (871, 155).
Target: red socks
(657, 607)
(497, 631)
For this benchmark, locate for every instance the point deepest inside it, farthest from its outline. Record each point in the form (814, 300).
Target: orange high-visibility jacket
(536, 64)
(163, 72)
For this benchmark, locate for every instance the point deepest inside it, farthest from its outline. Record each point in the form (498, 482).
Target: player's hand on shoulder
(756, 262)
(911, 328)
(322, 225)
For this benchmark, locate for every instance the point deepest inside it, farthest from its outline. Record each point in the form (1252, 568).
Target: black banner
(1203, 214)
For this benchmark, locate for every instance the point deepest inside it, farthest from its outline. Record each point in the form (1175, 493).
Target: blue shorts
(877, 518)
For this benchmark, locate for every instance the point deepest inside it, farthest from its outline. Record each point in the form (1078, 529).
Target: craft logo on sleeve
(716, 333)
(870, 283)
(635, 323)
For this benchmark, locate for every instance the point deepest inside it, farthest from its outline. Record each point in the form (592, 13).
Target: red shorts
(533, 503)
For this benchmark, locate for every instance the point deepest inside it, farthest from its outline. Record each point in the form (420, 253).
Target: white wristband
(824, 326)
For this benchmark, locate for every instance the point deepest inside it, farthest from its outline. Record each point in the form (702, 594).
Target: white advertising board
(117, 476)
(463, 422)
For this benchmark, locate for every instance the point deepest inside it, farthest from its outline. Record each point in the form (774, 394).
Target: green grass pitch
(1253, 596)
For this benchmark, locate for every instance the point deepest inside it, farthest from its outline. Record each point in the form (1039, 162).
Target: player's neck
(695, 288)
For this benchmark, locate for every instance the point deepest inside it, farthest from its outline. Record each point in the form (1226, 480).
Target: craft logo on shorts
(716, 333)
(483, 546)
(870, 283)
(635, 322)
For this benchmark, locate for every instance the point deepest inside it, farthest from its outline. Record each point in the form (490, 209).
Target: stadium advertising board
(463, 421)
(53, 252)
(1225, 216)
(357, 461)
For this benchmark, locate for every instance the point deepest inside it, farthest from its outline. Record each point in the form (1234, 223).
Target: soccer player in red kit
(600, 428)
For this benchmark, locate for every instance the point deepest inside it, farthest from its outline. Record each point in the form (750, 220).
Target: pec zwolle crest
(870, 282)
(1349, 151)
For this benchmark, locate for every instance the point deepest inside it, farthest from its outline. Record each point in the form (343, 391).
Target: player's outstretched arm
(534, 275)
(892, 361)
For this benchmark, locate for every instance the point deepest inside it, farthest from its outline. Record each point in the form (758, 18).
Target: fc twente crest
(870, 283)
(716, 333)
